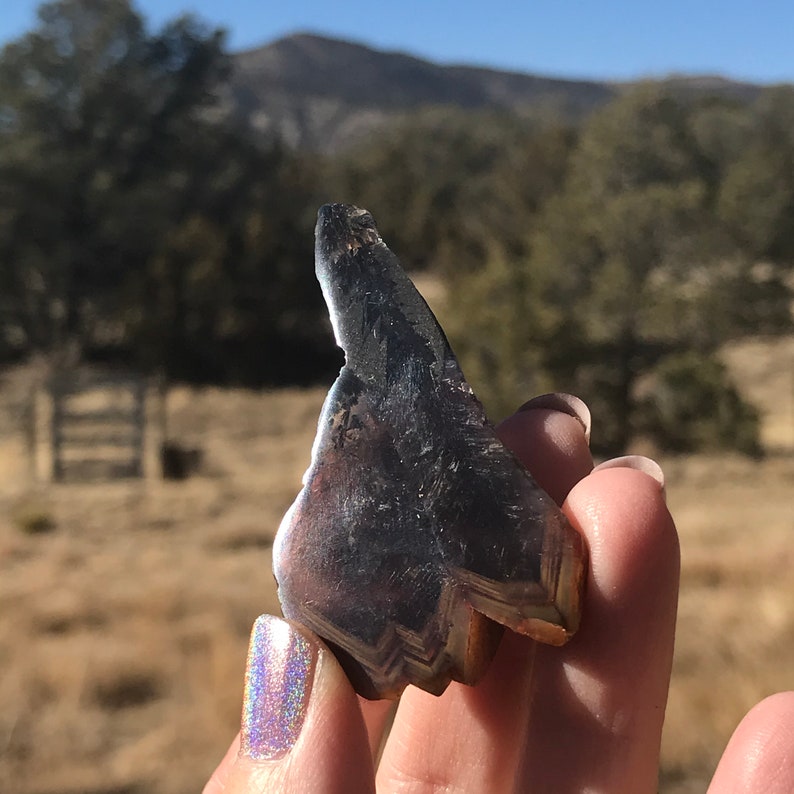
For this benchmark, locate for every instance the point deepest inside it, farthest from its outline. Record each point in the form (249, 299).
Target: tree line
(613, 259)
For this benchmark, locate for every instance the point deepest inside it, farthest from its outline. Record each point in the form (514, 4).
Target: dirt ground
(125, 607)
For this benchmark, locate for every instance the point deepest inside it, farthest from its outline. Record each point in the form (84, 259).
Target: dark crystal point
(417, 534)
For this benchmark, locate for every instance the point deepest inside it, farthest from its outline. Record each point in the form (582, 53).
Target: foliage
(137, 219)
(629, 262)
(693, 406)
(93, 110)
(132, 212)
(495, 317)
(450, 185)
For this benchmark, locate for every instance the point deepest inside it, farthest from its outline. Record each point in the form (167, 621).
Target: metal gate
(98, 425)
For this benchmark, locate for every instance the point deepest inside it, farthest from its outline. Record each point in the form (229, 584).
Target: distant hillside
(321, 93)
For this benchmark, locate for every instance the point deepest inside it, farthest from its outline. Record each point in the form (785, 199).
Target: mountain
(321, 93)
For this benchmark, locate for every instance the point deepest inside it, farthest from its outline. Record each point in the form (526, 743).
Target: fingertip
(637, 462)
(551, 443)
(605, 691)
(759, 758)
(564, 403)
(302, 729)
(622, 512)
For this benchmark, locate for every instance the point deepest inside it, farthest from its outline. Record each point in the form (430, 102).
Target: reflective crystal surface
(417, 535)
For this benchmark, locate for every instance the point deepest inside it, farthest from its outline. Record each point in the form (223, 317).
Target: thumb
(302, 729)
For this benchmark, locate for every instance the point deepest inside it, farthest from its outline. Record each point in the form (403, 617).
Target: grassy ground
(125, 607)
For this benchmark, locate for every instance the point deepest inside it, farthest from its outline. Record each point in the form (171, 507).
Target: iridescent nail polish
(278, 680)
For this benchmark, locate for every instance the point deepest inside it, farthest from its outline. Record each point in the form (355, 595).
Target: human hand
(585, 717)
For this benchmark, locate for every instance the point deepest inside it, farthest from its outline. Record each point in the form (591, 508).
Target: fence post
(56, 431)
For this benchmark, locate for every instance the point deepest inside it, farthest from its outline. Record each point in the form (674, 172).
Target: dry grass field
(125, 607)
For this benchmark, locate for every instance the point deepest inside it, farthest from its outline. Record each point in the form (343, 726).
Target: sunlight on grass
(123, 630)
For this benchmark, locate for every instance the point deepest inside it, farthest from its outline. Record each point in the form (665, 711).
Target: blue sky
(570, 38)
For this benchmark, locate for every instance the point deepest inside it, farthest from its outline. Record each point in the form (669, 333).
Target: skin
(585, 717)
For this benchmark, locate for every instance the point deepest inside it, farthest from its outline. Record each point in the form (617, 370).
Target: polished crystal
(417, 535)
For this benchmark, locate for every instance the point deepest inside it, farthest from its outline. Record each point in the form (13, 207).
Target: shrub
(694, 406)
(34, 519)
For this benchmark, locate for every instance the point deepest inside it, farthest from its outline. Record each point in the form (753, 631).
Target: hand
(585, 717)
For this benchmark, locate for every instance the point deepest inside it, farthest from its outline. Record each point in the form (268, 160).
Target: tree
(756, 197)
(459, 194)
(229, 294)
(629, 265)
(694, 407)
(657, 271)
(447, 185)
(134, 212)
(94, 112)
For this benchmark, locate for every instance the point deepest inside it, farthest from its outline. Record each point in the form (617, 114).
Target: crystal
(417, 535)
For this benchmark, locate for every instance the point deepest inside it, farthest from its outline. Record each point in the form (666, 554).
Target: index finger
(598, 703)
(470, 738)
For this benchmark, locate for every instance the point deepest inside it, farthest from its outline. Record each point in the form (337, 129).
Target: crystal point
(417, 535)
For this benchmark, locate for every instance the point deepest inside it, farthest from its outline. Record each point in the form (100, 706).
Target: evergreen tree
(134, 213)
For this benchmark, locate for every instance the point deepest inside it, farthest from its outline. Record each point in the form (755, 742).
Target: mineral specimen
(417, 535)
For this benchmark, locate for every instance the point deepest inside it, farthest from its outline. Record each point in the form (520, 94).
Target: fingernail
(564, 403)
(638, 462)
(278, 682)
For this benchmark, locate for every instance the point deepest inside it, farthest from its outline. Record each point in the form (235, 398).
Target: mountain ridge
(321, 93)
